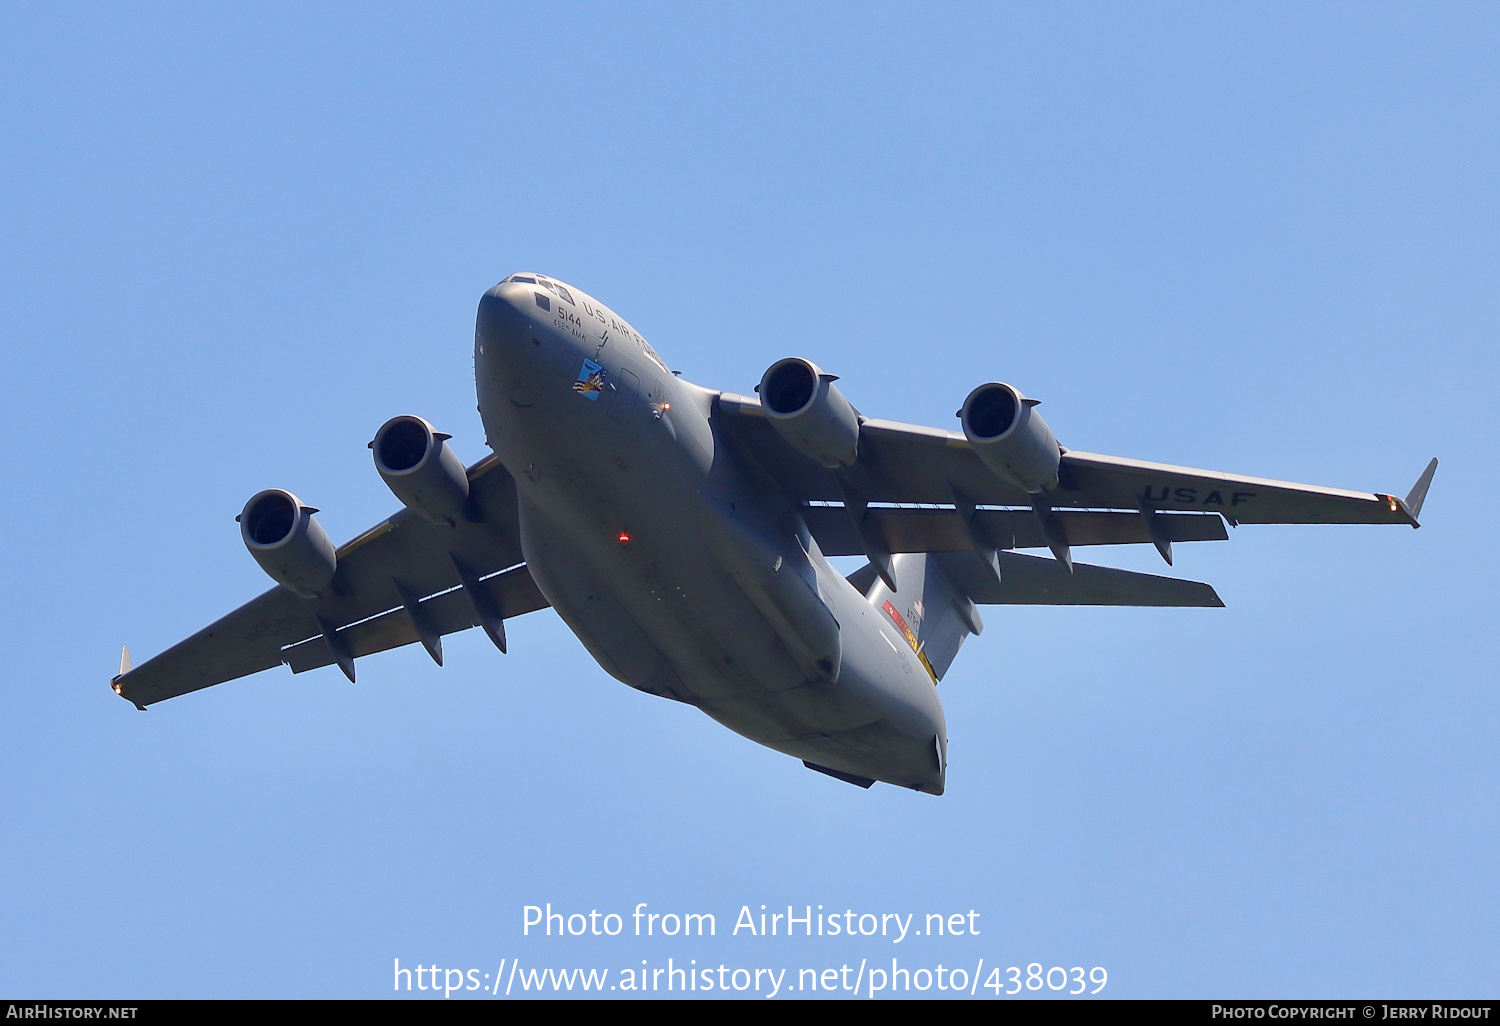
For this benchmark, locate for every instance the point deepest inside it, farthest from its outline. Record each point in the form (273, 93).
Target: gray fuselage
(675, 559)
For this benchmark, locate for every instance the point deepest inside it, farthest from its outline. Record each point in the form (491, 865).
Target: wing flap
(449, 612)
(940, 530)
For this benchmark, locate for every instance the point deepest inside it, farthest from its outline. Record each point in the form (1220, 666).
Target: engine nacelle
(416, 463)
(1011, 437)
(813, 416)
(287, 542)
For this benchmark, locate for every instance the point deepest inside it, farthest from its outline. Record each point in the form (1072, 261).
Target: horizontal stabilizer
(1039, 581)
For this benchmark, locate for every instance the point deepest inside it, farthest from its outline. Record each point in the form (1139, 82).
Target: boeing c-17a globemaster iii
(683, 534)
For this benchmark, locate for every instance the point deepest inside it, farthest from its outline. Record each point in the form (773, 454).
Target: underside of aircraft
(684, 533)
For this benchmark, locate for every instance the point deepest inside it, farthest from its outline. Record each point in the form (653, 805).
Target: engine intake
(1011, 437)
(806, 409)
(416, 463)
(287, 542)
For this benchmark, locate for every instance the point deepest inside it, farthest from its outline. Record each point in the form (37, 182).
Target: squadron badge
(590, 381)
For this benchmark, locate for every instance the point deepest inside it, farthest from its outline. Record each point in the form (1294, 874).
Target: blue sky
(1256, 238)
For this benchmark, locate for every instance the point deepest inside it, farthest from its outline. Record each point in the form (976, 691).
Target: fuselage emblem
(590, 380)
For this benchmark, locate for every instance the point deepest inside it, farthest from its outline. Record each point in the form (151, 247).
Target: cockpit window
(551, 286)
(518, 277)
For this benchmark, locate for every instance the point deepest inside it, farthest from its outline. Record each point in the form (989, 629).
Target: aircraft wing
(403, 581)
(907, 463)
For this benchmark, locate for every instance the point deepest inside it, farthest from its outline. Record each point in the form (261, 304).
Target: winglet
(1418, 493)
(114, 682)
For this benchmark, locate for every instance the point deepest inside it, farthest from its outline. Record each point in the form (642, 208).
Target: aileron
(1114, 481)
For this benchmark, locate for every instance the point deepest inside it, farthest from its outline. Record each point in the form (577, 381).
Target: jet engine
(813, 416)
(1011, 437)
(416, 463)
(287, 542)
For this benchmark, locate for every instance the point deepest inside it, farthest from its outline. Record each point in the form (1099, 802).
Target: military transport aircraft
(683, 533)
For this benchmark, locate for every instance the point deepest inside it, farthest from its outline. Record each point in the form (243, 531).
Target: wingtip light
(114, 682)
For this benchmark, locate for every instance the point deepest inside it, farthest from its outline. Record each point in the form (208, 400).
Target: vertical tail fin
(934, 616)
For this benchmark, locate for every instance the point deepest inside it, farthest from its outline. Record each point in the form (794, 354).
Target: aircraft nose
(505, 317)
